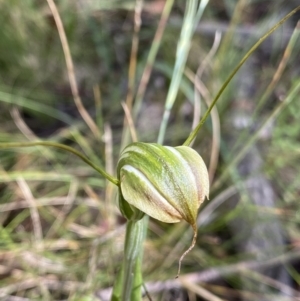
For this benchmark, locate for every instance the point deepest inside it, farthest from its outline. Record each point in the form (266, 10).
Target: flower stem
(133, 248)
(128, 286)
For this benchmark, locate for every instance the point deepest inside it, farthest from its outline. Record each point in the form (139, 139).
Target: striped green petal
(167, 183)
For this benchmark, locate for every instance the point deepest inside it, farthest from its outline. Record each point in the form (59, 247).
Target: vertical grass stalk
(193, 13)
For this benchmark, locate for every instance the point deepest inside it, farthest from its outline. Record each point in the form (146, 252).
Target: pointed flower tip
(194, 226)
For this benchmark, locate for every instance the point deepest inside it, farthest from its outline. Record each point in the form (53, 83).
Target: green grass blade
(193, 13)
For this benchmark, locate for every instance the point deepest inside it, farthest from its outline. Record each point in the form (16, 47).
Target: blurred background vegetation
(61, 234)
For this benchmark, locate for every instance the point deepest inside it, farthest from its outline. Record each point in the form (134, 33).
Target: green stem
(133, 247)
(194, 133)
(128, 286)
(65, 148)
(151, 57)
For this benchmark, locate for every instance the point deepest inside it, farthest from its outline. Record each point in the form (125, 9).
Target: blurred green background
(61, 233)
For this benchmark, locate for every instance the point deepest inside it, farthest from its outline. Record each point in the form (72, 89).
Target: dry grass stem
(281, 67)
(70, 68)
(130, 122)
(216, 135)
(286, 55)
(42, 202)
(197, 77)
(109, 166)
(35, 217)
(98, 106)
(21, 124)
(134, 52)
(208, 58)
(152, 54)
(198, 290)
